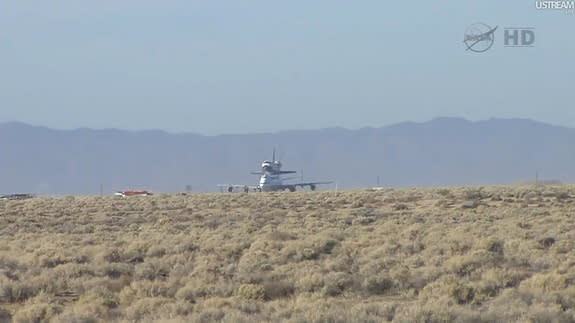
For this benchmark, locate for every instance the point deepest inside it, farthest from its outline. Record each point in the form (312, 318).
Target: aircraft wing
(312, 185)
(238, 187)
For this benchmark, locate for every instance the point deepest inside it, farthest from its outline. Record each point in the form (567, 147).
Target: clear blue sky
(215, 67)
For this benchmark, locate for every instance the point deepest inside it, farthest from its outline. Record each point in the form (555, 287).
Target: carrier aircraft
(271, 179)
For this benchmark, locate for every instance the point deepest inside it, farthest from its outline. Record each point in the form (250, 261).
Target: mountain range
(441, 152)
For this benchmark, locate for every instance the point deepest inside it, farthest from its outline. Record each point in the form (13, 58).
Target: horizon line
(435, 119)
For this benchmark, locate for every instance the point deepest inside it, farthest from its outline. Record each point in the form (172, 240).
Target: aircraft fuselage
(271, 183)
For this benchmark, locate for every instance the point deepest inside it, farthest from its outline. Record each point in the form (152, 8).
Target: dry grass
(493, 254)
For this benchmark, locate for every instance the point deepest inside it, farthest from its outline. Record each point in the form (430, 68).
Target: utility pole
(101, 190)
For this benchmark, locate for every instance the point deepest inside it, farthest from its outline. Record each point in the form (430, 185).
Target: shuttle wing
(275, 172)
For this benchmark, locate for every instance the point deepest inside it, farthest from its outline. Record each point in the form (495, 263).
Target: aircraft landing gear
(312, 187)
(230, 189)
(292, 188)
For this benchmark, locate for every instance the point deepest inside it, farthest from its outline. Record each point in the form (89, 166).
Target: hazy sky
(216, 67)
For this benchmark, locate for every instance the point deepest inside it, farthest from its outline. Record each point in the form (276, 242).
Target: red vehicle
(133, 193)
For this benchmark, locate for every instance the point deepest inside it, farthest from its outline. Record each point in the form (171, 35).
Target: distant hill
(441, 152)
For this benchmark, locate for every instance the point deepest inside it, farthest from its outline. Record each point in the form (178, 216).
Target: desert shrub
(510, 306)
(51, 261)
(440, 311)
(503, 277)
(548, 313)
(310, 249)
(561, 196)
(546, 282)
(374, 312)
(563, 247)
(76, 317)
(546, 243)
(565, 298)
(217, 302)
(9, 264)
(357, 203)
(186, 293)
(278, 289)
(410, 197)
(5, 315)
(311, 282)
(249, 306)
(151, 270)
(209, 316)
(403, 278)
(251, 291)
(492, 245)
(101, 297)
(335, 283)
(325, 245)
(84, 311)
(34, 313)
(444, 203)
(463, 265)
(115, 270)
(112, 255)
(307, 254)
(146, 308)
(152, 289)
(444, 191)
(473, 194)
(169, 312)
(459, 247)
(38, 309)
(73, 270)
(16, 292)
(362, 220)
(322, 313)
(449, 286)
(377, 285)
(484, 291)
(156, 251)
(400, 206)
(98, 285)
(463, 294)
(134, 253)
